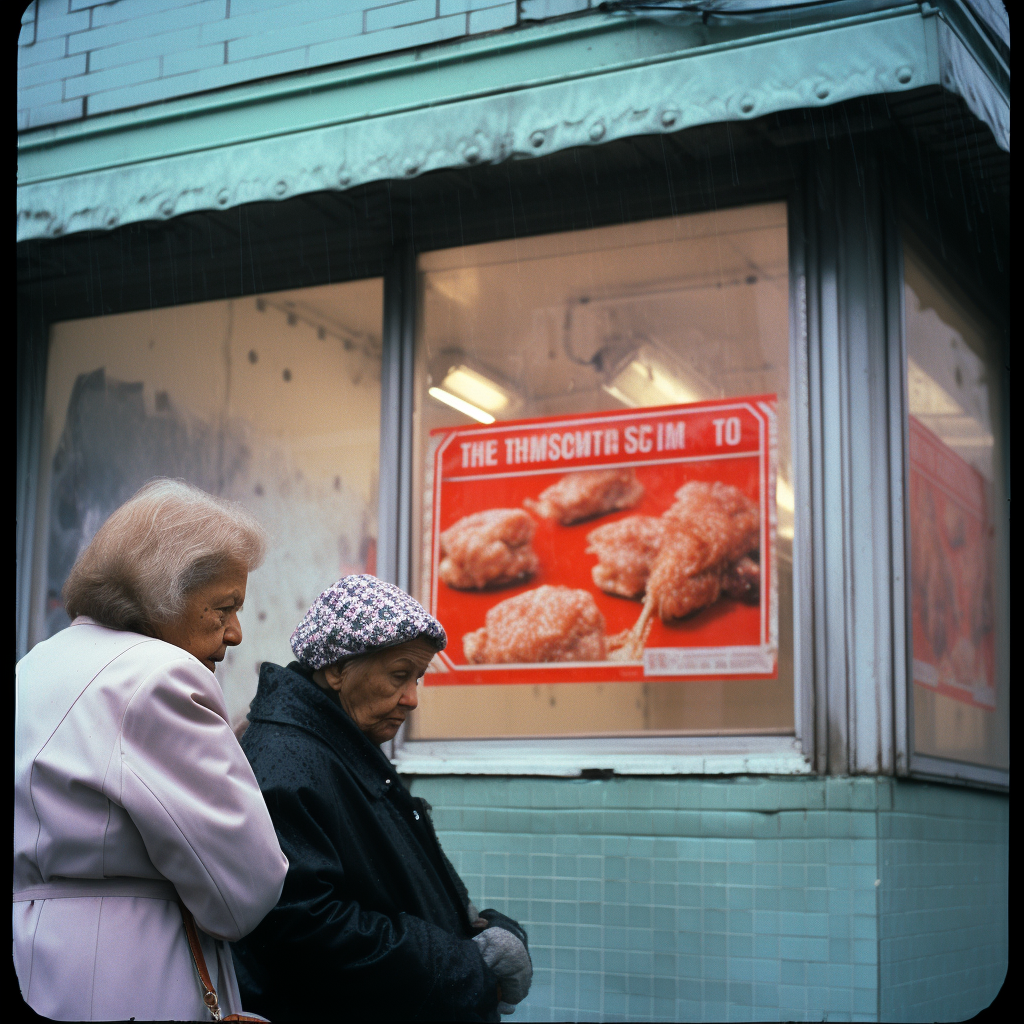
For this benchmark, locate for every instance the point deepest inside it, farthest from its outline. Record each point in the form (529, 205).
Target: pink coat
(126, 768)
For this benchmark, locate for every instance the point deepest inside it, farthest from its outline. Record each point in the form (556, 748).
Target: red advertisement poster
(951, 573)
(613, 546)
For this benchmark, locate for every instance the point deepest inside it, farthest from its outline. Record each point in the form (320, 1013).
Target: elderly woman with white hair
(137, 816)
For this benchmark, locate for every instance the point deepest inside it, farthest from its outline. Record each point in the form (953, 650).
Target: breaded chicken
(625, 551)
(710, 526)
(587, 493)
(742, 580)
(544, 624)
(707, 535)
(488, 549)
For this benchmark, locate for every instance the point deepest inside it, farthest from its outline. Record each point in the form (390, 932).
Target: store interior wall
(271, 401)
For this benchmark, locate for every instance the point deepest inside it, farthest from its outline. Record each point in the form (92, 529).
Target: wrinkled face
(379, 691)
(209, 624)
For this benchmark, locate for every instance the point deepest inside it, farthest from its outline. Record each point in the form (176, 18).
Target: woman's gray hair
(167, 541)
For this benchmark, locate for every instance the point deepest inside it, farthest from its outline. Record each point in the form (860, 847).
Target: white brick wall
(83, 57)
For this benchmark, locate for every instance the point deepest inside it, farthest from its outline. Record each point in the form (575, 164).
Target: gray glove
(507, 956)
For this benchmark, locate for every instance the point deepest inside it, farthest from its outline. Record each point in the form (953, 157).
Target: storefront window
(603, 569)
(958, 589)
(271, 401)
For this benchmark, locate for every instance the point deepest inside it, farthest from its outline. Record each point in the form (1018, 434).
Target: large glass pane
(605, 321)
(958, 584)
(272, 401)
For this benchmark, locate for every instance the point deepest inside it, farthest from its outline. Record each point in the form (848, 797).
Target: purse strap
(192, 933)
(209, 993)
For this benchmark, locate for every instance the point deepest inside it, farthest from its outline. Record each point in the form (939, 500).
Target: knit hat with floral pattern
(360, 614)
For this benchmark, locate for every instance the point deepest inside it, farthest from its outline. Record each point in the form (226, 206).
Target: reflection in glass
(648, 314)
(959, 702)
(272, 401)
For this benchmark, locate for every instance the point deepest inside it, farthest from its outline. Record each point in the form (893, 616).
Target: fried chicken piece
(626, 550)
(488, 549)
(710, 526)
(544, 624)
(707, 533)
(742, 580)
(932, 580)
(587, 493)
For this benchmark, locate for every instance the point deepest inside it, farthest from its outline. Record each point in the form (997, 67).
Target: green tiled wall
(738, 898)
(944, 921)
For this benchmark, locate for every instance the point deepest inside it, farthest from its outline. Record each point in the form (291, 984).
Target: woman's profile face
(209, 624)
(378, 692)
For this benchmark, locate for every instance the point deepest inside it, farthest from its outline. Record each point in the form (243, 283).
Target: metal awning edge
(858, 57)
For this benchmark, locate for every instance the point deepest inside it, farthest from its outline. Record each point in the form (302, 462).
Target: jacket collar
(289, 696)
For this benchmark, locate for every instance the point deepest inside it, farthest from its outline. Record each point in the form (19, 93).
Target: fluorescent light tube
(475, 388)
(462, 406)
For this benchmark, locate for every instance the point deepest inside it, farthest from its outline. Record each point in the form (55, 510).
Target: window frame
(788, 754)
(926, 766)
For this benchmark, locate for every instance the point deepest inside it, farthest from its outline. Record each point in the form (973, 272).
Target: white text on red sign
(569, 445)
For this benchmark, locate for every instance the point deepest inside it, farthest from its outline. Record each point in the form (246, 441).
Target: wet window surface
(272, 401)
(655, 313)
(959, 692)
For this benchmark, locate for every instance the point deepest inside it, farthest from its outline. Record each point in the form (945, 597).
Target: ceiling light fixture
(463, 382)
(646, 378)
(477, 389)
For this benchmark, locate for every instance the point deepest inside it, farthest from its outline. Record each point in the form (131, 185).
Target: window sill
(939, 769)
(659, 755)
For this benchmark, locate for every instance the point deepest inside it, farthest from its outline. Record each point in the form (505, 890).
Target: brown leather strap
(209, 994)
(192, 933)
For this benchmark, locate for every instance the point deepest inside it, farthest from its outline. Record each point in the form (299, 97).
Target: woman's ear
(334, 675)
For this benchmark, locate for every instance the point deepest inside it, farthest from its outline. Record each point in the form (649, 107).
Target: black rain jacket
(372, 923)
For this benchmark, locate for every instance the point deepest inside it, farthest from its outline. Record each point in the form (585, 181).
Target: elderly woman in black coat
(373, 923)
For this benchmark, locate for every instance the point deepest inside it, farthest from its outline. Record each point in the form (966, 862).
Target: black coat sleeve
(320, 944)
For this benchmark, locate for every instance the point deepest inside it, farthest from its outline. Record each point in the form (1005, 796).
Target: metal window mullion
(812, 209)
(396, 428)
(407, 380)
(395, 516)
(33, 335)
(870, 568)
(831, 512)
(802, 414)
(899, 468)
(852, 471)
